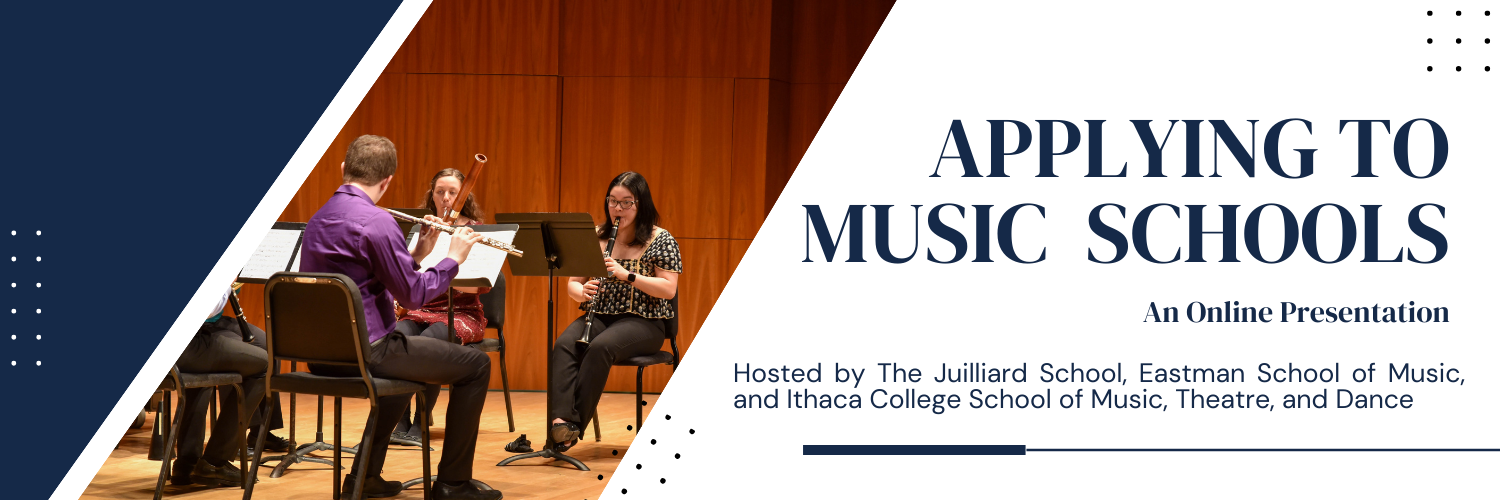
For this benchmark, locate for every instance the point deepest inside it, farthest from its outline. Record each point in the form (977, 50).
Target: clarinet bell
(588, 330)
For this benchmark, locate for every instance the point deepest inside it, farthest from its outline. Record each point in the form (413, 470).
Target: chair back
(315, 318)
(494, 306)
(671, 323)
(172, 381)
(671, 329)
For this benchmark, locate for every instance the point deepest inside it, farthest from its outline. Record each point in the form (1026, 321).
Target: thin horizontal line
(1383, 450)
(477, 74)
(936, 449)
(913, 449)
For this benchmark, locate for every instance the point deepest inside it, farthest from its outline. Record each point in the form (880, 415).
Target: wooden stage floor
(128, 474)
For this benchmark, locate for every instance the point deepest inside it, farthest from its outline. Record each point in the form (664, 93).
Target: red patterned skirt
(468, 313)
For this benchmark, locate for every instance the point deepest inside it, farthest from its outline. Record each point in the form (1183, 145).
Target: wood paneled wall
(713, 101)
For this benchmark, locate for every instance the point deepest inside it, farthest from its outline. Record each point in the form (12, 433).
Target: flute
(588, 321)
(483, 240)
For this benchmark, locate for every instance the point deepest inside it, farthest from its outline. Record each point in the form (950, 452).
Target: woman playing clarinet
(629, 307)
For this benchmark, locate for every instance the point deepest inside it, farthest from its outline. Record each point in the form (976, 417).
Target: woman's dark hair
(471, 207)
(645, 211)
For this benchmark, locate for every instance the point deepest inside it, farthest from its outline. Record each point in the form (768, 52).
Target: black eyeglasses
(621, 204)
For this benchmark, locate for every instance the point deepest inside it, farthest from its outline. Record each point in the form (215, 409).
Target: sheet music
(275, 251)
(483, 262)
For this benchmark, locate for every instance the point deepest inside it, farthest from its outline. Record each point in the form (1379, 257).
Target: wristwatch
(630, 278)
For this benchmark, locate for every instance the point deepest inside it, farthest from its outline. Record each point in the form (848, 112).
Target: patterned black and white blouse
(619, 297)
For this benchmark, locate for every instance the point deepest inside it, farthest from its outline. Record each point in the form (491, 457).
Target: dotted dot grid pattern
(1447, 32)
(653, 456)
(23, 346)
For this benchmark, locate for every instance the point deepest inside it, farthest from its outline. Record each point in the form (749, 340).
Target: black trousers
(433, 331)
(436, 362)
(579, 371)
(219, 347)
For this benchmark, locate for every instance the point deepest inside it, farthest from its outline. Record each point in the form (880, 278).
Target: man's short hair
(369, 160)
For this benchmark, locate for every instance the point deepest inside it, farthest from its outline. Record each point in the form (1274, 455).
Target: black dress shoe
(466, 491)
(275, 443)
(209, 475)
(181, 472)
(375, 487)
(180, 478)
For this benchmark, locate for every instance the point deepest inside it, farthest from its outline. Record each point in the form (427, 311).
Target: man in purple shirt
(350, 235)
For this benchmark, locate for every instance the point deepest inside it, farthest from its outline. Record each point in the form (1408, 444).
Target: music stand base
(547, 453)
(301, 456)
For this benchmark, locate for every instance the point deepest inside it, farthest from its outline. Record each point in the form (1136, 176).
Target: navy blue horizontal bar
(913, 449)
(1266, 449)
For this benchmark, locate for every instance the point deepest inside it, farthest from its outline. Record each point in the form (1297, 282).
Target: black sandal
(565, 431)
(520, 445)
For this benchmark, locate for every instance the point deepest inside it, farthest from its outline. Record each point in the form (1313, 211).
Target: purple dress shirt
(350, 235)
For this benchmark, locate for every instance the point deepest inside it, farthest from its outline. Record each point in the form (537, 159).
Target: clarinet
(609, 249)
(239, 316)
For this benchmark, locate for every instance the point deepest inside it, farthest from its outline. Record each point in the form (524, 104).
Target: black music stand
(557, 244)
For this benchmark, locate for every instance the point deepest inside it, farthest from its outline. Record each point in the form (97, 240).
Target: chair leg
(158, 428)
(505, 384)
(291, 421)
(597, 438)
(362, 459)
(213, 407)
(260, 446)
(170, 445)
(427, 477)
(240, 424)
(426, 417)
(639, 370)
(338, 444)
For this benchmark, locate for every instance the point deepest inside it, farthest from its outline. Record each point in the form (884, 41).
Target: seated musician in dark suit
(219, 347)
